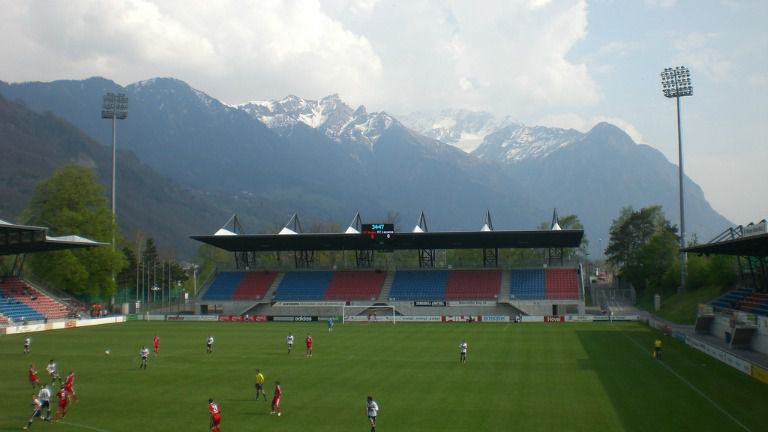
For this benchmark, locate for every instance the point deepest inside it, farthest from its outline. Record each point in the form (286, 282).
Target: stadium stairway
(504, 288)
(272, 289)
(387, 287)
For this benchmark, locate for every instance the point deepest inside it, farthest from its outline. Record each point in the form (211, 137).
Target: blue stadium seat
(527, 284)
(303, 286)
(419, 285)
(223, 287)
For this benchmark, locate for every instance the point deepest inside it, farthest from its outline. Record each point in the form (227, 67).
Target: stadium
(547, 348)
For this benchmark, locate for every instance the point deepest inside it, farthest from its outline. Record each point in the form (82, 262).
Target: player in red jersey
(156, 343)
(276, 399)
(69, 386)
(33, 378)
(63, 400)
(308, 340)
(213, 408)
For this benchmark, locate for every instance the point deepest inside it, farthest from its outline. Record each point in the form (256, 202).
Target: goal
(377, 313)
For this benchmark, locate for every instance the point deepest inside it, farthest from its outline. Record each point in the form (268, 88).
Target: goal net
(378, 313)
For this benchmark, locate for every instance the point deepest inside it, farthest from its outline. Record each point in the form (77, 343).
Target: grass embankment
(679, 308)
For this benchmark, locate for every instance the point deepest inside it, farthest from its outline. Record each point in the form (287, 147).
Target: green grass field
(524, 377)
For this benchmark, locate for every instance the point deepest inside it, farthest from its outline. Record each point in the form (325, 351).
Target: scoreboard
(380, 232)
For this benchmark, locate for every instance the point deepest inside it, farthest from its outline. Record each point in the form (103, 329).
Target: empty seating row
(345, 285)
(544, 284)
(240, 285)
(419, 285)
(407, 285)
(473, 284)
(303, 286)
(756, 303)
(18, 311)
(731, 299)
(223, 286)
(526, 284)
(743, 299)
(20, 300)
(355, 285)
(561, 283)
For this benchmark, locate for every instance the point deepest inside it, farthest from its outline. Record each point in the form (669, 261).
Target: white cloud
(232, 50)
(564, 121)
(664, 4)
(514, 56)
(758, 80)
(700, 53)
(506, 56)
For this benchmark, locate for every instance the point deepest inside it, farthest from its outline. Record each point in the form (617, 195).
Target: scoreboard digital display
(383, 232)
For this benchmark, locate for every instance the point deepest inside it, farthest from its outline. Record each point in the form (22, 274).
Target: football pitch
(519, 377)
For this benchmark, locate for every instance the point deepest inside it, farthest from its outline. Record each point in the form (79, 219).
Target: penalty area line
(688, 383)
(83, 426)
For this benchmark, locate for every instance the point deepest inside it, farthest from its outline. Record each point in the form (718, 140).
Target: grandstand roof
(18, 239)
(399, 241)
(755, 246)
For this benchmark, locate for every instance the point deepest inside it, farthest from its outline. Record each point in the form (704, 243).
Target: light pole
(115, 107)
(676, 83)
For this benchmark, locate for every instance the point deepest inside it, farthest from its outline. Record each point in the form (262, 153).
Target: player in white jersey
(53, 372)
(44, 395)
(36, 409)
(144, 353)
(372, 410)
(27, 343)
(289, 341)
(463, 351)
(209, 345)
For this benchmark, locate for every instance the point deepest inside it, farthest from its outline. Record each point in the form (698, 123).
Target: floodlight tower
(115, 107)
(676, 83)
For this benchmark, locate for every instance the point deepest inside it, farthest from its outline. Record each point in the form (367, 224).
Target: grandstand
(742, 299)
(554, 287)
(469, 291)
(20, 301)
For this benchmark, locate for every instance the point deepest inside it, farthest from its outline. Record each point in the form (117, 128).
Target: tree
(632, 230)
(642, 246)
(654, 263)
(72, 201)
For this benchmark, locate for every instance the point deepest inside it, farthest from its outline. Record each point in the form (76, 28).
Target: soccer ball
(106, 352)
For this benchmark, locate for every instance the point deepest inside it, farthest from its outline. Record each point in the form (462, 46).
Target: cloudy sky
(565, 63)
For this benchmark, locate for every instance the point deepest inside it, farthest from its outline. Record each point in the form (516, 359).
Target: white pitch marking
(693, 387)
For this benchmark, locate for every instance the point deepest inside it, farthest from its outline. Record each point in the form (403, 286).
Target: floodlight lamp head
(676, 82)
(115, 106)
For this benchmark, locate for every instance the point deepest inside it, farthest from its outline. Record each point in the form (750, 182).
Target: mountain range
(325, 160)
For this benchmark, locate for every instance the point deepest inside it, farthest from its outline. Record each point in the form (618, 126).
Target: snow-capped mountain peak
(515, 143)
(460, 128)
(487, 137)
(330, 114)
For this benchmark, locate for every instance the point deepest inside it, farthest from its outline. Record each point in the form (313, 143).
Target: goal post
(377, 313)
